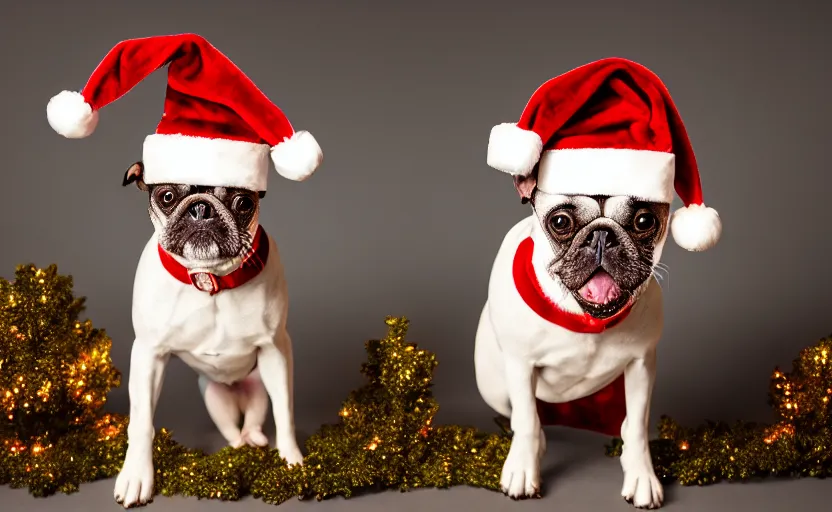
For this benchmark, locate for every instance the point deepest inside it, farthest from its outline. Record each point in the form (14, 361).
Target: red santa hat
(217, 129)
(609, 128)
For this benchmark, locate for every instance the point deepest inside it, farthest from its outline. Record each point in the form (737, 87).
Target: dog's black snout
(603, 237)
(599, 241)
(201, 210)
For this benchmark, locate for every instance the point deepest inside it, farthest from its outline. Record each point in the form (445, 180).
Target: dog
(209, 287)
(569, 330)
(596, 254)
(236, 340)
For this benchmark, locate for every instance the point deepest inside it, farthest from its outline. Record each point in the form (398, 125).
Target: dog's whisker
(662, 274)
(659, 280)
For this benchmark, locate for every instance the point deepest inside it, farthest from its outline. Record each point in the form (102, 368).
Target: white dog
(569, 331)
(235, 339)
(209, 287)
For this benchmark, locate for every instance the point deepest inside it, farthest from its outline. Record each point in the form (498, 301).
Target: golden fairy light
(374, 443)
(43, 391)
(16, 446)
(785, 429)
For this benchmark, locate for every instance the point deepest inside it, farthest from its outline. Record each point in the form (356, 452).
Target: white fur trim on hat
(696, 227)
(70, 115)
(202, 161)
(297, 157)
(513, 150)
(644, 174)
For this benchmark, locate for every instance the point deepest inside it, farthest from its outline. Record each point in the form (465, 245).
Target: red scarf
(251, 266)
(601, 412)
(527, 284)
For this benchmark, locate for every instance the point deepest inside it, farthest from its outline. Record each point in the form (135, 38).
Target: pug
(574, 313)
(208, 240)
(597, 256)
(209, 287)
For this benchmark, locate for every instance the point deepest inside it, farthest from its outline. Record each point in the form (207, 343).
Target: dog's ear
(262, 194)
(135, 173)
(525, 186)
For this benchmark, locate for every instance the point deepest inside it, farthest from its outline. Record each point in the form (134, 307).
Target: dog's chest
(204, 324)
(570, 365)
(217, 337)
(570, 355)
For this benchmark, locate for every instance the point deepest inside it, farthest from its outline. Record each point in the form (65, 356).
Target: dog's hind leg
(254, 404)
(223, 407)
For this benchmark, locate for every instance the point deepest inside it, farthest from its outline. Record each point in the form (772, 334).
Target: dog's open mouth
(601, 296)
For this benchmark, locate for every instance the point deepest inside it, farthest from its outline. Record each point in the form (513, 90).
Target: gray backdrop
(405, 217)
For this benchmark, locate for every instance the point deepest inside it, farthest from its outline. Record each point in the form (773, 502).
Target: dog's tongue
(600, 289)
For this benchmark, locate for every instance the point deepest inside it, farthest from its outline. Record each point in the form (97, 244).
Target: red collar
(529, 288)
(251, 266)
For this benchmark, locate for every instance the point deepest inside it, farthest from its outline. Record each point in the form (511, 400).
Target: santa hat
(609, 128)
(217, 129)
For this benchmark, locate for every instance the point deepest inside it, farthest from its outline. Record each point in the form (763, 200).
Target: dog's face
(201, 226)
(602, 250)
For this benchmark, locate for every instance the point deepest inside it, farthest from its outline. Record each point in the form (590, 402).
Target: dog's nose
(201, 210)
(602, 237)
(599, 241)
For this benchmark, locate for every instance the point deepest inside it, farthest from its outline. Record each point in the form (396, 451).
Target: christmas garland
(56, 372)
(798, 444)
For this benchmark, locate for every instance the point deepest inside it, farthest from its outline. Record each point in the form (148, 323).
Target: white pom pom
(298, 156)
(696, 227)
(70, 115)
(513, 150)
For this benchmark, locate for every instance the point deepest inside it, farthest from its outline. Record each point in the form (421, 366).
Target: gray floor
(577, 477)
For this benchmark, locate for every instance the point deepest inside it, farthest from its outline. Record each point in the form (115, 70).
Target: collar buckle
(205, 282)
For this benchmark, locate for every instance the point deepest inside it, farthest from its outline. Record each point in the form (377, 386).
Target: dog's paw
(134, 484)
(521, 472)
(291, 453)
(642, 488)
(254, 437)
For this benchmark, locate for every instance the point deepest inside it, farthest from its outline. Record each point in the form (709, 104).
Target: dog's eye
(166, 197)
(243, 204)
(644, 221)
(561, 224)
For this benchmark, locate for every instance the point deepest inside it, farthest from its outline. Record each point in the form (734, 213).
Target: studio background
(405, 217)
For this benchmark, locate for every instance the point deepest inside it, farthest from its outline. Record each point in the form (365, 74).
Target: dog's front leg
(521, 471)
(641, 486)
(134, 485)
(275, 362)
